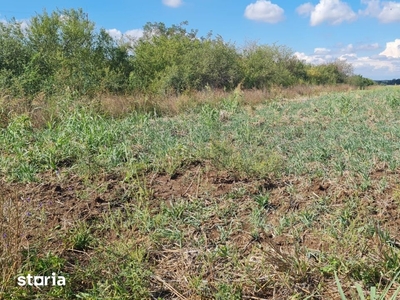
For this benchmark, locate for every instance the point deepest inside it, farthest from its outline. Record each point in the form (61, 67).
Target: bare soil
(53, 205)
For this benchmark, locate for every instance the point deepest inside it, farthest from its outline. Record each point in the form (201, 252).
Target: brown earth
(58, 201)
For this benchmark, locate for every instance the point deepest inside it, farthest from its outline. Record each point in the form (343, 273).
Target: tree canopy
(63, 50)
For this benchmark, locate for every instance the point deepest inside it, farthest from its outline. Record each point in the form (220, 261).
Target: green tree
(157, 55)
(114, 61)
(213, 63)
(68, 53)
(297, 69)
(360, 81)
(14, 55)
(63, 51)
(265, 66)
(172, 59)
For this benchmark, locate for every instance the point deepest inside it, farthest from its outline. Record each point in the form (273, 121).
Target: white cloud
(373, 8)
(314, 59)
(386, 65)
(376, 67)
(367, 66)
(368, 47)
(392, 49)
(305, 9)
(348, 56)
(114, 33)
(23, 23)
(172, 3)
(390, 12)
(385, 12)
(134, 33)
(320, 51)
(347, 49)
(264, 11)
(128, 36)
(333, 12)
(350, 48)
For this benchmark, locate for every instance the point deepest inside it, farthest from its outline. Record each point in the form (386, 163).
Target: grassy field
(280, 199)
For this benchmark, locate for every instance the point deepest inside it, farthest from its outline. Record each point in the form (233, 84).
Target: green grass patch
(290, 199)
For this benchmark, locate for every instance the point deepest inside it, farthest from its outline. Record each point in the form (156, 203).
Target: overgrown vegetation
(63, 52)
(287, 199)
(207, 172)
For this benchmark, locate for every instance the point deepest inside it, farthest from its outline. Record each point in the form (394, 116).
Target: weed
(393, 100)
(80, 237)
(264, 201)
(372, 293)
(145, 205)
(228, 292)
(122, 277)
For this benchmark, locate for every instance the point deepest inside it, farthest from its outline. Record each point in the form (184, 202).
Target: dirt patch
(61, 200)
(205, 257)
(58, 202)
(196, 181)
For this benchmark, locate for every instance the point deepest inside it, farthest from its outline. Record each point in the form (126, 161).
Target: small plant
(332, 264)
(231, 104)
(372, 293)
(117, 272)
(81, 237)
(42, 264)
(228, 292)
(263, 201)
(393, 100)
(345, 105)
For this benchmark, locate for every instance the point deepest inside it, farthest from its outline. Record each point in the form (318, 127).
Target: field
(230, 199)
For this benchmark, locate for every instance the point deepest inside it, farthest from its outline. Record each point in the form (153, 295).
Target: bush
(330, 73)
(63, 52)
(175, 60)
(60, 51)
(266, 66)
(360, 81)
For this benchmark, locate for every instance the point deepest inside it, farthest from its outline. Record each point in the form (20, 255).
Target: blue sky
(364, 32)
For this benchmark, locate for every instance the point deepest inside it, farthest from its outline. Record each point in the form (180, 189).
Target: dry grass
(43, 109)
(172, 105)
(13, 239)
(262, 203)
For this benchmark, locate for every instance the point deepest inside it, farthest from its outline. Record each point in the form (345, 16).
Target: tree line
(388, 82)
(63, 51)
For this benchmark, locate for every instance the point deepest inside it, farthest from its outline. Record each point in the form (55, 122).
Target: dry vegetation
(43, 109)
(246, 195)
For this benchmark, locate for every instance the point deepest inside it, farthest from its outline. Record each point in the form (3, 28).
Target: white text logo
(53, 280)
